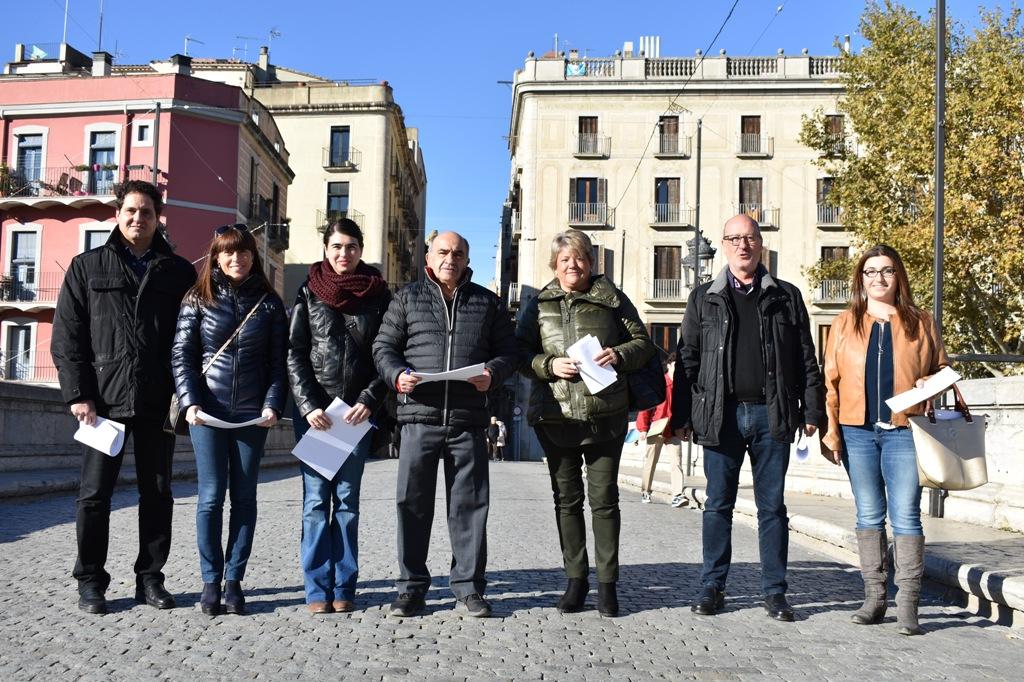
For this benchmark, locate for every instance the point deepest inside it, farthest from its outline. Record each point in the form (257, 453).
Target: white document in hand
(105, 435)
(596, 378)
(461, 374)
(938, 383)
(326, 451)
(209, 420)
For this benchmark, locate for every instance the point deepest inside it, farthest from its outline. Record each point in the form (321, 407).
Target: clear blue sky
(443, 59)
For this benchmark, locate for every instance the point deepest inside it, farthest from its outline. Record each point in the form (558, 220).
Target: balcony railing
(764, 215)
(829, 215)
(592, 145)
(833, 291)
(325, 218)
(673, 145)
(515, 226)
(29, 286)
(68, 181)
(672, 214)
(754, 144)
(601, 67)
(589, 213)
(670, 67)
(278, 235)
(667, 290)
(752, 66)
(338, 159)
(14, 369)
(836, 146)
(513, 293)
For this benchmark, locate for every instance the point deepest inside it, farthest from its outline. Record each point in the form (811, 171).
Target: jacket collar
(721, 283)
(466, 277)
(158, 246)
(601, 292)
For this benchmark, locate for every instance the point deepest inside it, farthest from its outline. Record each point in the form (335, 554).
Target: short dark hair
(347, 227)
(139, 187)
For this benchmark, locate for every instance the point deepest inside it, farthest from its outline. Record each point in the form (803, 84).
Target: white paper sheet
(938, 383)
(596, 378)
(326, 451)
(209, 420)
(105, 435)
(461, 374)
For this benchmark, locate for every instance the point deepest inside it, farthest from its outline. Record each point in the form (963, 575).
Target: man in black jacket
(746, 379)
(112, 334)
(444, 322)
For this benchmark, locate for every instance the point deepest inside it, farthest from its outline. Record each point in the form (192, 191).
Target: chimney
(181, 64)
(101, 63)
(627, 49)
(264, 62)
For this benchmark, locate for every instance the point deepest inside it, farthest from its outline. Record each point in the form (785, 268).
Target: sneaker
(475, 606)
(645, 498)
(408, 605)
(680, 500)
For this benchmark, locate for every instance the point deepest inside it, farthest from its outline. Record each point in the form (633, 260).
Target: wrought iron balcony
(592, 145)
(68, 181)
(16, 369)
(589, 214)
(672, 215)
(673, 146)
(667, 290)
(325, 218)
(515, 226)
(342, 159)
(25, 285)
(277, 235)
(755, 145)
(829, 215)
(833, 291)
(765, 216)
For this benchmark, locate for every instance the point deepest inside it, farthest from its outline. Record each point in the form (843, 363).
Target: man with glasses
(746, 380)
(112, 334)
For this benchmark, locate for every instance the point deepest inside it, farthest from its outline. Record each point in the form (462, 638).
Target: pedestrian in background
(337, 313)
(496, 439)
(229, 361)
(880, 346)
(575, 426)
(662, 440)
(444, 322)
(746, 379)
(112, 334)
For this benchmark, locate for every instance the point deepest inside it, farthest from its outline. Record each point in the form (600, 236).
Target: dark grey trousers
(467, 492)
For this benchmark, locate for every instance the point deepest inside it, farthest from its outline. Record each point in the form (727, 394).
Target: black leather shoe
(710, 602)
(234, 600)
(155, 595)
(607, 600)
(575, 596)
(91, 600)
(778, 608)
(408, 605)
(209, 602)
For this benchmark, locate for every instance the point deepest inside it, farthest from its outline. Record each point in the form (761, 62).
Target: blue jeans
(882, 464)
(329, 550)
(226, 459)
(745, 428)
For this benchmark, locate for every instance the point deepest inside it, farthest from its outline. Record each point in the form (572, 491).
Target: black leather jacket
(112, 333)
(328, 359)
(250, 374)
(793, 391)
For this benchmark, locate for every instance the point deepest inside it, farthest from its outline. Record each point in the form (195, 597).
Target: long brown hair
(910, 315)
(228, 238)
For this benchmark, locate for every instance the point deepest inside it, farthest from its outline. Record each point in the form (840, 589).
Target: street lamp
(697, 265)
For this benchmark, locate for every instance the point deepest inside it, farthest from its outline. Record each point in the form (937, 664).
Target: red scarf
(345, 292)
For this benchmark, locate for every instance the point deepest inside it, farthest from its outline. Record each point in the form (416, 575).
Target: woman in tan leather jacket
(880, 346)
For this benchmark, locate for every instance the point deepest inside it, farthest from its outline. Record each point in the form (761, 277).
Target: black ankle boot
(234, 600)
(607, 600)
(574, 597)
(209, 602)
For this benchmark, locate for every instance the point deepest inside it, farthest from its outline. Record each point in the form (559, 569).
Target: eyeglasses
(872, 273)
(241, 227)
(735, 239)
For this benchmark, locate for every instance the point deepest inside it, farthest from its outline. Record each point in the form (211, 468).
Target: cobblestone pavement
(43, 635)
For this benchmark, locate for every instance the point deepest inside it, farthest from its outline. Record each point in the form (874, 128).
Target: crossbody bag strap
(232, 337)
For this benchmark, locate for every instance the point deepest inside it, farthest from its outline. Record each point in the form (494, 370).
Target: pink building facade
(70, 131)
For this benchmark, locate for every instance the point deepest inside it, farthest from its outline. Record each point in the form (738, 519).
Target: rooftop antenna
(190, 39)
(556, 44)
(274, 33)
(99, 41)
(64, 38)
(245, 46)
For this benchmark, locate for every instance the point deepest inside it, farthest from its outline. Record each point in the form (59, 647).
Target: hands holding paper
(567, 368)
(356, 414)
(481, 382)
(84, 411)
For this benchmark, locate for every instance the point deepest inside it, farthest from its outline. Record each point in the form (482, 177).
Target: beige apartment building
(353, 157)
(609, 146)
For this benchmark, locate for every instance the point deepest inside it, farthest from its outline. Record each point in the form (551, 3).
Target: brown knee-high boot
(909, 558)
(874, 568)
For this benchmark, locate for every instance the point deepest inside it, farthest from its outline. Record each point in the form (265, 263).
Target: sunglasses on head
(241, 227)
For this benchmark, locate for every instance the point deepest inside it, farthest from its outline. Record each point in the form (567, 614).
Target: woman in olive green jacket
(575, 426)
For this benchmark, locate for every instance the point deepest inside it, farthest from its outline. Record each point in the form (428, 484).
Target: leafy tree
(884, 171)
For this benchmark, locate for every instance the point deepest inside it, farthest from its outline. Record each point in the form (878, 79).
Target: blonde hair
(574, 240)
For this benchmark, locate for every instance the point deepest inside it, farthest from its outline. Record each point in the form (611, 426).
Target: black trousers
(153, 449)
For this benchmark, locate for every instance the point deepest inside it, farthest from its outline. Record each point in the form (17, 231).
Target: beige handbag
(950, 447)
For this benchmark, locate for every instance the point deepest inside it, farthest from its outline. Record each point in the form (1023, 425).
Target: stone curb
(994, 595)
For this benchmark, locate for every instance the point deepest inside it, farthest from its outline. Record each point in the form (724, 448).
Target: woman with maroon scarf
(337, 313)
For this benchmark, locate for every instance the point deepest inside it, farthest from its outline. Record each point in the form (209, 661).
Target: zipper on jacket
(449, 343)
(878, 368)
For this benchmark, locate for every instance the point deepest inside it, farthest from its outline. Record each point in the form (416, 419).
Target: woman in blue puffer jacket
(229, 360)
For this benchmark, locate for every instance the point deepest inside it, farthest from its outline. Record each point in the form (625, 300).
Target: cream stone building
(353, 157)
(609, 146)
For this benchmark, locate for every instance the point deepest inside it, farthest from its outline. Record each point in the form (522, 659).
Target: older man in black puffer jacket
(442, 323)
